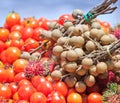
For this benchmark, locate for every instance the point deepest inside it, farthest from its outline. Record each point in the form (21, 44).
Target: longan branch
(103, 8)
(98, 55)
(39, 47)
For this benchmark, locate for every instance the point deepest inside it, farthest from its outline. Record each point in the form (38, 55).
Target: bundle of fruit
(69, 60)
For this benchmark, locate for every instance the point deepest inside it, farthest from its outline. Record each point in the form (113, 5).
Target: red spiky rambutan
(35, 68)
(117, 33)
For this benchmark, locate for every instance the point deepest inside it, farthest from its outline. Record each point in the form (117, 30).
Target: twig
(103, 8)
(39, 47)
(98, 55)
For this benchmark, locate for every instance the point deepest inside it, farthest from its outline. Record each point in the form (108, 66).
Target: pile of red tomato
(16, 36)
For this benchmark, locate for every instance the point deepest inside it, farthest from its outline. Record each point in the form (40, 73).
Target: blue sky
(52, 9)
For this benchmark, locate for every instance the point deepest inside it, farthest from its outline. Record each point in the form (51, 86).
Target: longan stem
(97, 55)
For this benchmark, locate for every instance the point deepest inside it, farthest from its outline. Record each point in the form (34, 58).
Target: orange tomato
(18, 28)
(95, 97)
(17, 43)
(19, 65)
(10, 74)
(38, 97)
(15, 35)
(5, 91)
(1, 64)
(12, 19)
(71, 90)
(15, 96)
(30, 44)
(7, 43)
(30, 22)
(4, 33)
(12, 54)
(74, 98)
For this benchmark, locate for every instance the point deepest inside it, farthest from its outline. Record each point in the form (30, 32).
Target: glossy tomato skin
(27, 33)
(30, 44)
(12, 54)
(4, 33)
(3, 75)
(15, 35)
(2, 46)
(19, 76)
(18, 28)
(36, 80)
(64, 17)
(74, 98)
(25, 91)
(45, 87)
(10, 74)
(13, 18)
(22, 101)
(24, 82)
(43, 23)
(30, 22)
(38, 97)
(19, 65)
(3, 57)
(17, 43)
(56, 97)
(37, 34)
(61, 87)
(95, 98)
(5, 91)
(14, 87)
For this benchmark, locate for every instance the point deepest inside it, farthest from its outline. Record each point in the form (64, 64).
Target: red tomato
(5, 91)
(27, 33)
(14, 87)
(4, 33)
(3, 75)
(61, 87)
(19, 76)
(15, 97)
(38, 97)
(13, 18)
(15, 35)
(64, 17)
(7, 44)
(36, 80)
(45, 87)
(74, 98)
(3, 57)
(30, 22)
(30, 44)
(22, 101)
(18, 28)
(2, 46)
(55, 97)
(12, 54)
(24, 82)
(25, 91)
(43, 23)
(17, 43)
(95, 98)
(19, 65)
(10, 74)
(37, 34)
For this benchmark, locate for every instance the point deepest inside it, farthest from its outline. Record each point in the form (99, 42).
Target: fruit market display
(73, 59)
